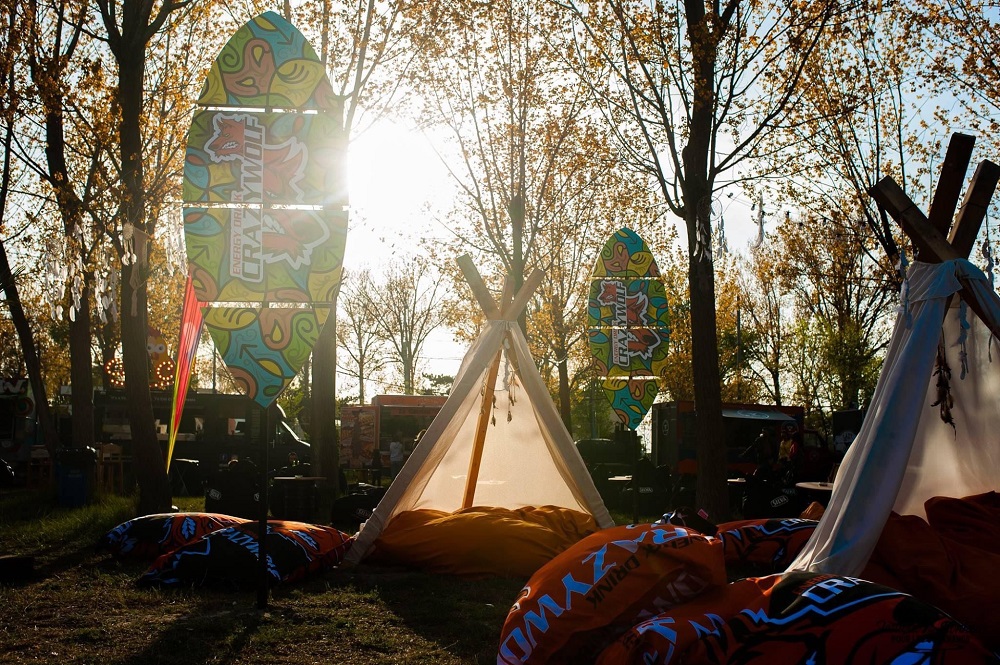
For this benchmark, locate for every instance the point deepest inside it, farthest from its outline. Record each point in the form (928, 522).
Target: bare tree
(691, 88)
(366, 46)
(129, 26)
(407, 306)
(836, 284)
(539, 183)
(357, 333)
(764, 311)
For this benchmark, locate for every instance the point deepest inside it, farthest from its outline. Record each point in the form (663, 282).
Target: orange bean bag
(763, 546)
(956, 576)
(151, 536)
(480, 541)
(584, 598)
(228, 557)
(799, 618)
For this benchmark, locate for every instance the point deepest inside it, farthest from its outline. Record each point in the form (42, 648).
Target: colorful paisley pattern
(269, 64)
(254, 157)
(264, 221)
(628, 327)
(264, 348)
(296, 256)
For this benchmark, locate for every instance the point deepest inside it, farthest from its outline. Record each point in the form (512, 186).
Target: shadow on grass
(57, 538)
(216, 628)
(458, 615)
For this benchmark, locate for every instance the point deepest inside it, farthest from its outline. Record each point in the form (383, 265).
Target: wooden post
(484, 420)
(929, 236)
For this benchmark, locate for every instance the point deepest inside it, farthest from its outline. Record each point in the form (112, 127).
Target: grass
(81, 606)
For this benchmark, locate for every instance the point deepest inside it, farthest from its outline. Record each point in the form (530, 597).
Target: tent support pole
(484, 420)
(931, 243)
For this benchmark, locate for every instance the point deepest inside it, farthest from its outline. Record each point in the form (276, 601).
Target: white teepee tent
(906, 452)
(498, 441)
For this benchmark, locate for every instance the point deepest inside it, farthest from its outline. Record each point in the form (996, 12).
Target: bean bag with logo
(151, 536)
(228, 557)
(666, 637)
(839, 620)
(581, 600)
(948, 571)
(763, 546)
(800, 618)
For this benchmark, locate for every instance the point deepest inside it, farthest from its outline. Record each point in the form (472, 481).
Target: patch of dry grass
(84, 607)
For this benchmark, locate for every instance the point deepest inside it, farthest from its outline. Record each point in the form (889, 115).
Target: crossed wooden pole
(510, 307)
(930, 234)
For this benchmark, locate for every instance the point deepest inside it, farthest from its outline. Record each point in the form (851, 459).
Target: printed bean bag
(666, 637)
(763, 546)
(228, 557)
(800, 618)
(480, 541)
(581, 600)
(971, 520)
(151, 536)
(953, 574)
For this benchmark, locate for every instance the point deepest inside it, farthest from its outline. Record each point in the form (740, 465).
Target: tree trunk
(24, 335)
(712, 494)
(408, 379)
(81, 372)
(565, 408)
(80, 359)
(31, 361)
(148, 462)
(147, 458)
(323, 439)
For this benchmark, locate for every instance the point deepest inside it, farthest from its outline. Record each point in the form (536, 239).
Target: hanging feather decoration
(944, 398)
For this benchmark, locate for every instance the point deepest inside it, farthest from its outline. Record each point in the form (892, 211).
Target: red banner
(187, 349)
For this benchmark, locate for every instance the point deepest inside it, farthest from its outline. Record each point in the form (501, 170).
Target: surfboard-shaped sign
(627, 325)
(264, 223)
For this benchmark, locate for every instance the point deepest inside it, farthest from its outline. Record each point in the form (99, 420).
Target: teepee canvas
(930, 430)
(498, 441)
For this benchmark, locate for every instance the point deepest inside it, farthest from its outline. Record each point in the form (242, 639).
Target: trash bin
(233, 492)
(76, 470)
(294, 498)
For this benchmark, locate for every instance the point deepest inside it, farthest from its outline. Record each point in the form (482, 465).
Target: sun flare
(395, 179)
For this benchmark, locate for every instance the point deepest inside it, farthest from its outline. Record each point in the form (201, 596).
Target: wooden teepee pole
(485, 413)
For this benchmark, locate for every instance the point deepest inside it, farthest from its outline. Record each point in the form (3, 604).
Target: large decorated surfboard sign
(627, 324)
(264, 222)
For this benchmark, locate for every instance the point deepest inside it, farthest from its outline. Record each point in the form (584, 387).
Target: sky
(396, 181)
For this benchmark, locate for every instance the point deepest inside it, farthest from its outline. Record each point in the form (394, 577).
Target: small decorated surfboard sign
(628, 325)
(264, 222)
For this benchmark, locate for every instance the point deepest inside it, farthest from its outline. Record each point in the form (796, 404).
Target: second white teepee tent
(906, 453)
(498, 441)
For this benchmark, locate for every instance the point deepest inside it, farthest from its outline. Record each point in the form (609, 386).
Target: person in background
(787, 448)
(376, 467)
(397, 455)
(788, 453)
